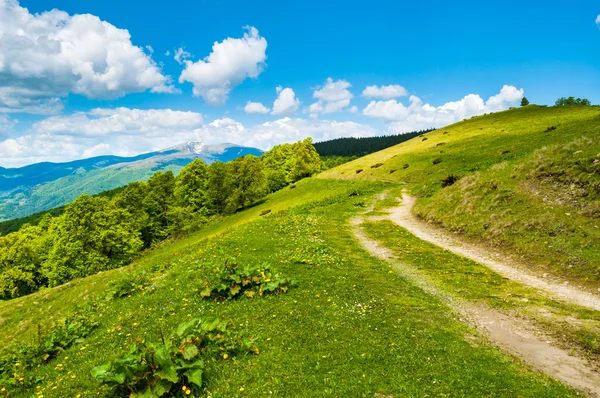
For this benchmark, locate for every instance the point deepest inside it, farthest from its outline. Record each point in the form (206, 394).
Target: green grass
(544, 208)
(470, 281)
(351, 328)
(527, 189)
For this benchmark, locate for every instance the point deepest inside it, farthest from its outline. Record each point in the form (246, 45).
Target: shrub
(424, 139)
(172, 365)
(376, 165)
(524, 101)
(551, 128)
(449, 180)
(437, 160)
(359, 171)
(234, 280)
(405, 166)
(392, 171)
(265, 212)
(441, 143)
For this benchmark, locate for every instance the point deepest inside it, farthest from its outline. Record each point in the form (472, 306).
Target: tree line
(98, 233)
(358, 147)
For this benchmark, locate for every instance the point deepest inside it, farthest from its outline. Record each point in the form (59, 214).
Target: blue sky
(72, 88)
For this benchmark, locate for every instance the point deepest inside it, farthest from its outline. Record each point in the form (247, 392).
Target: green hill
(528, 183)
(350, 326)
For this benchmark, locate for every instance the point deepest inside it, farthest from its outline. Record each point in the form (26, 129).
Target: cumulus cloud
(44, 57)
(63, 142)
(283, 130)
(389, 110)
(229, 64)
(104, 121)
(286, 102)
(15, 152)
(255, 107)
(419, 116)
(598, 20)
(384, 92)
(332, 97)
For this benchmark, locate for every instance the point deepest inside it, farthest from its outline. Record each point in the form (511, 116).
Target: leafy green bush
(234, 280)
(174, 365)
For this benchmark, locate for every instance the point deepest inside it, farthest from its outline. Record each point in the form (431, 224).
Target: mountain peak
(195, 147)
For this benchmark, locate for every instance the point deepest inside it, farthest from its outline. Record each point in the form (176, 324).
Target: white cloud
(63, 143)
(150, 49)
(167, 53)
(229, 64)
(181, 55)
(384, 92)
(353, 109)
(332, 97)
(287, 129)
(103, 121)
(43, 57)
(418, 116)
(15, 152)
(508, 96)
(286, 102)
(97, 150)
(7, 123)
(389, 110)
(255, 107)
(598, 20)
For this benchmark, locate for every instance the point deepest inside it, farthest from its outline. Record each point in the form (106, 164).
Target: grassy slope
(460, 277)
(542, 204)
(352, 327)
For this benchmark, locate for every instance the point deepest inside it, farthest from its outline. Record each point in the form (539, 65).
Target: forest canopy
(362, 146)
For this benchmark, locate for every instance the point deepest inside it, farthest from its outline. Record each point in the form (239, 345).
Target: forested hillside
(362, 146)
(13, 225)
(38, 187)
(98, 233)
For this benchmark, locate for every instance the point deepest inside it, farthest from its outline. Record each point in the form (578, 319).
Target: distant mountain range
(42, 186)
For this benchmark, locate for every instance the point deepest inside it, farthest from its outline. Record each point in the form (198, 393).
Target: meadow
(351, 327)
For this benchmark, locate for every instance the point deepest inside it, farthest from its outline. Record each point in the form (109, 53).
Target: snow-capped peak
(194, 147)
